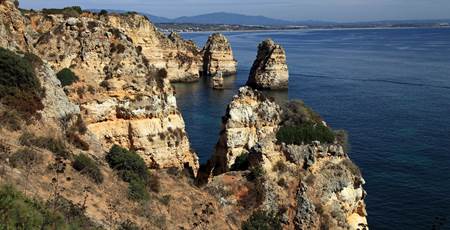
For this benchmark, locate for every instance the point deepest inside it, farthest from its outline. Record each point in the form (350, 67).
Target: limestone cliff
(12, 27)
(179, 57)
(123, 98)
(270, 70)
(308, 186)
(218, 56)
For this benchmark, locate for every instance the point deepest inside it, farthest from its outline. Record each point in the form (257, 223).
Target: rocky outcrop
(251, 119)
(218, 56)
(181, 58)
(217, 81)
(123, 98)
(270, 70)
(12, 27)
(308, 186)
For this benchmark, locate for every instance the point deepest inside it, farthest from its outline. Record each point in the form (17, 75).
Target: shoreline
(310, 29)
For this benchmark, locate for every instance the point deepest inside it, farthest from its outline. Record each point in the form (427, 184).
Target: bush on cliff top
(67, 77)
(305, 134)
(20, 89)
(73, 11)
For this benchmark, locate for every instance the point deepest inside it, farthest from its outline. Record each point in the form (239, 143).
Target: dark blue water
(389, 88)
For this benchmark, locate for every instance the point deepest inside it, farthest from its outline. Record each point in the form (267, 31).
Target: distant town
(196, 27)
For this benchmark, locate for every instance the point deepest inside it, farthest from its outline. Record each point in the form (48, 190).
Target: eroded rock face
(251, 119)
(218, 56)
(12, 27)
(123, 98)
(308, 186)
(270, 70)
(181, 58)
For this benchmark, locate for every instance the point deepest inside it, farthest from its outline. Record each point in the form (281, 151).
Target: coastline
(310, 29)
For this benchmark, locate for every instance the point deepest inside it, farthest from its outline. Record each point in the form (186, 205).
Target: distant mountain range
(230, 19)
(241, 19)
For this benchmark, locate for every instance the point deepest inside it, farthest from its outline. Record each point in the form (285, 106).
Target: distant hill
(231, 18)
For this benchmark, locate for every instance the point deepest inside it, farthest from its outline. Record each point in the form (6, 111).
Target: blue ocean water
(390, 88)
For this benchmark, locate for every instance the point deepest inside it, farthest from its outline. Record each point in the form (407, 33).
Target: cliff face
(12, 27)
(218, 56)
(270, 70)
(122, 97)
(309, 186)
(181, 59)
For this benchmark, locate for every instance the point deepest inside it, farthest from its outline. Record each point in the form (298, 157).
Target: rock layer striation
(218, 56)
(269, 70)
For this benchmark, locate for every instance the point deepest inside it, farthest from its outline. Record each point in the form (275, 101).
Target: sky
(325, 10)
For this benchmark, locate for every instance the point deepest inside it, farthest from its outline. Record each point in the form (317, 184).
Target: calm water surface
(389, 88)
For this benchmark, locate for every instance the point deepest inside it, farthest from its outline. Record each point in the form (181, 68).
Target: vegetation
(25, 157)
(241, 163)
(128, 225)
(73, 11)
(305, 134)
(281, 166)
(103, 12)
(261, 220)
(256, 173)
(20, 89)
(20, 212)
(296, 112)
(342, 139)
(67, 77)
(132, 169)
(11, 120)
(89, 167)
(54, 145)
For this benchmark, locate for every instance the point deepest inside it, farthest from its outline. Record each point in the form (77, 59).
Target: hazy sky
(335, 10)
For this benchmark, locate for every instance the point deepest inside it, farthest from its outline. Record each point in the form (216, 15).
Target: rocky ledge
(218, 56)
(270, 70)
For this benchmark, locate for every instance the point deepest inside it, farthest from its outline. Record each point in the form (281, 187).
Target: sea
(389, 88)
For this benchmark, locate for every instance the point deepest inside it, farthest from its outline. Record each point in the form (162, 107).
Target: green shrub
(127, 163)
(261, 220)
(73, 11)
(137, 190)
(241, 163)
(25, 157)
(20, 212)
(89, 167)
(103, 12)
(296, 112)
(56, 146)
(132, 169)
(256, 173)
(67, 77)
(20, 89)
(305, 134)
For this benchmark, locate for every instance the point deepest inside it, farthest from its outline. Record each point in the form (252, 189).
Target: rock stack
(270, 70)
(218, 56)
(217, 81)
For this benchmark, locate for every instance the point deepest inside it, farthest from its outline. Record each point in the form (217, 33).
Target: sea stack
(270, 70)
(217, 81)
(218, 56)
